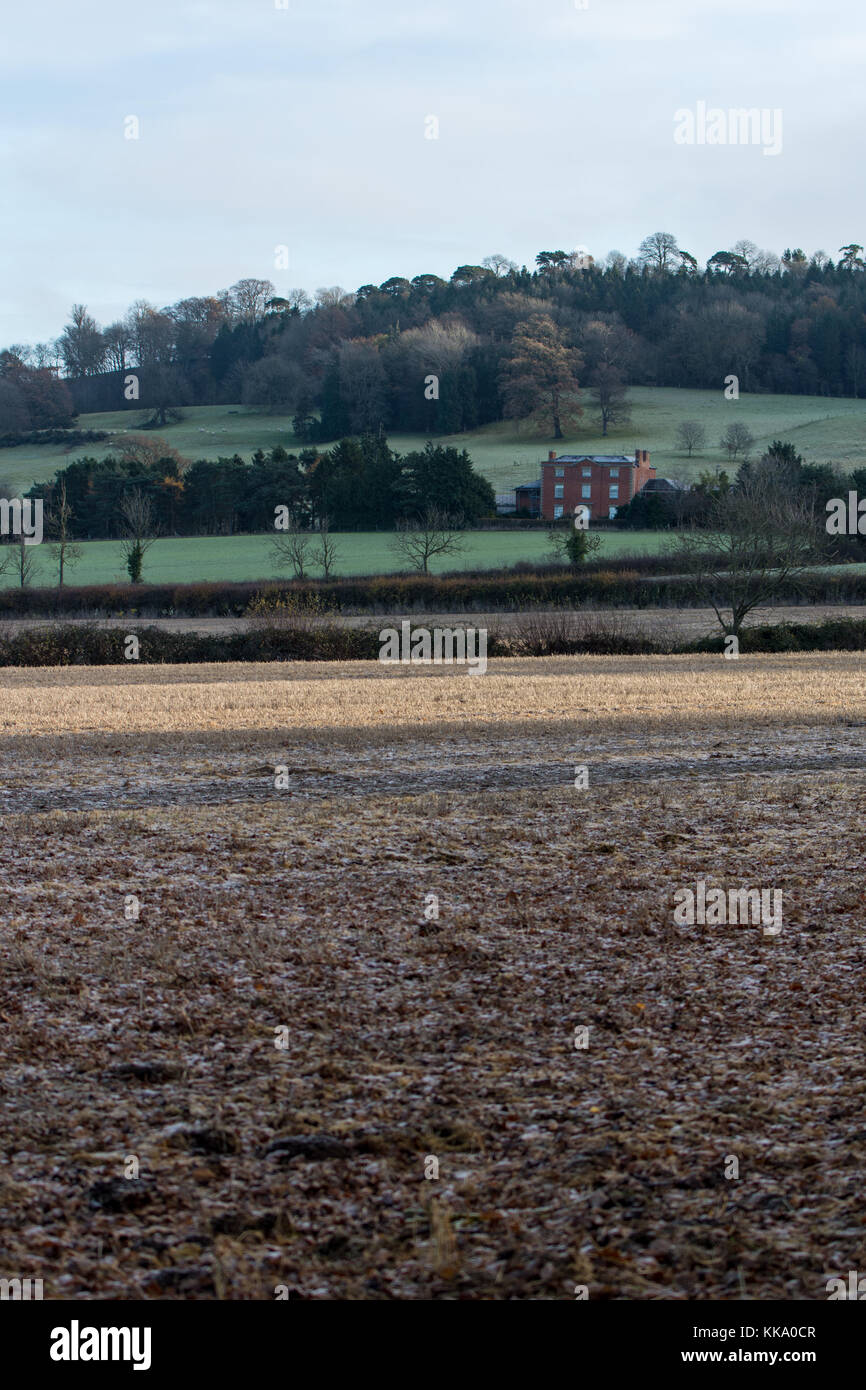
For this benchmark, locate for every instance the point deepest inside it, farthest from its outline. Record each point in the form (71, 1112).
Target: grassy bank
(822, 428)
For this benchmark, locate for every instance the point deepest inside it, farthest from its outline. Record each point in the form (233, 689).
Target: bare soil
(337, 989)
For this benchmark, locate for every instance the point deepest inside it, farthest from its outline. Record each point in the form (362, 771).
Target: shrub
(86, 645)
(831, 634)
(272, 611)
(14, 438)
(503, 590)
(565, 633)
(543, 634)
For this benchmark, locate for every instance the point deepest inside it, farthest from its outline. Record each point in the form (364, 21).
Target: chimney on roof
(641, 457)
(551, 455)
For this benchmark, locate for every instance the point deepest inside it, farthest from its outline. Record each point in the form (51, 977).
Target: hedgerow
(82, 644)
(454, 593)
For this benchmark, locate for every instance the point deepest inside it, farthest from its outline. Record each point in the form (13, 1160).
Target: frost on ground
(287, 1043)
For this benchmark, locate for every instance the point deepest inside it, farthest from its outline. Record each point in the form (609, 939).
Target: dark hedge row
(830, 635)
(506, 591)
(126, 600)
(617, 564)
(65, 645)
(12, 439)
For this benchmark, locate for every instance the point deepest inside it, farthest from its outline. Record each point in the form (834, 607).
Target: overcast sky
(305, 127)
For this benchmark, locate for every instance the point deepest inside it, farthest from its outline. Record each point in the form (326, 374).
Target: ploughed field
(287, 1042)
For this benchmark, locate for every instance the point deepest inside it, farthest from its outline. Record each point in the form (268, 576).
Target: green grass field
(823, 429)
(200, 558)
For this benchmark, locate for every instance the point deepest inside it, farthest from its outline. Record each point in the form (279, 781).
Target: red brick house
(601, 482)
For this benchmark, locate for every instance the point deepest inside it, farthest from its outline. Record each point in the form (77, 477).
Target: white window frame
(586, 490)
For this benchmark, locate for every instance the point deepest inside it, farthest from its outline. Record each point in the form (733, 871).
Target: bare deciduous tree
(58, 524)
(616, 261)
(759, 536)
(499, 264)
(758, 261)
(298, 299)
(118, 342)
(434, 533)
(333, 297)
(691, 435)
(659, 252)
(24, 560)
(249, 298)
(82, 344)
(609, 394)
(439, 344)
(737, 440)
(7, 548)
(605, 342)
(326, 552)
(138, 523)
(291, 547)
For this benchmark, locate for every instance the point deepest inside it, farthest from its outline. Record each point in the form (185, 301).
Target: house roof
(523, 487)
(593, 458)
(665, 485)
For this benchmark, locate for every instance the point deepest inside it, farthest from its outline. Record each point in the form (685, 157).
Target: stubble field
(337, 987)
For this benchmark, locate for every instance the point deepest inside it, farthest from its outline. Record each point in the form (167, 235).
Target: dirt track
(686, 623)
